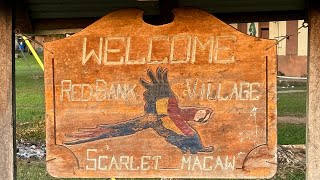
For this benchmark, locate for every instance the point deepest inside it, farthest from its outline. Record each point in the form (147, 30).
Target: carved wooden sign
(194, 98)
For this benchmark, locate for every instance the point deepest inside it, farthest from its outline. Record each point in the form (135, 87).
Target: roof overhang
(35, 16)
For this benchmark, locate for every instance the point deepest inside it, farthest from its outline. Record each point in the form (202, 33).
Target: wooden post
(7, 123)
(313, 110)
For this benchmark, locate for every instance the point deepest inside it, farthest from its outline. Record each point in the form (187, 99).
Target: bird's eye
(200, 115)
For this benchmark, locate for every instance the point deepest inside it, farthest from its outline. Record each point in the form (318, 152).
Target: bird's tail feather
(84, 135)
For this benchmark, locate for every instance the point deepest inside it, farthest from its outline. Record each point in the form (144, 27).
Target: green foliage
(292, 104)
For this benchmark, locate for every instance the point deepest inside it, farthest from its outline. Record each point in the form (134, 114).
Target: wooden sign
(194, 98)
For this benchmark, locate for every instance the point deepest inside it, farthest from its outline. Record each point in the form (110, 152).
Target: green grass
(33, 170)
(29, 89)
(291, 133)
(292, 104)
(29, 99)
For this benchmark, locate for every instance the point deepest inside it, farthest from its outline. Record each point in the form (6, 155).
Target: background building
(292, 51)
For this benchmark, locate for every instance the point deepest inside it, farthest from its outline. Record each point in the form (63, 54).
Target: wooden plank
(7, 155)
(206, 107)
(313, 106)
(56, 32)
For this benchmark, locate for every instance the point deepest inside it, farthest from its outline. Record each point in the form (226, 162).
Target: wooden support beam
(7, 123)
(22, 19)
(313, 105)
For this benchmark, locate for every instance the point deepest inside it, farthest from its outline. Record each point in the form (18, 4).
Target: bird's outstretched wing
(158, 88)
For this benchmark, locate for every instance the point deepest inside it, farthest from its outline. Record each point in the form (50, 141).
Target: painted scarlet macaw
(162, 113)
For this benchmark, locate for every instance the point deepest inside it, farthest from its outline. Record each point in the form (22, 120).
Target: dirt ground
(292, 119)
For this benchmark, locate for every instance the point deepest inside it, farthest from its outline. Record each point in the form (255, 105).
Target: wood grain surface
(7, 123)
(313, 111)
(194, 98)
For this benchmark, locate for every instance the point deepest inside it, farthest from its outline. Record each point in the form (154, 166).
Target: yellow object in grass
(33, 52)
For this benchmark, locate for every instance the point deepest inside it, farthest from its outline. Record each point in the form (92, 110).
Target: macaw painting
(162, 114)
(194, 98)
